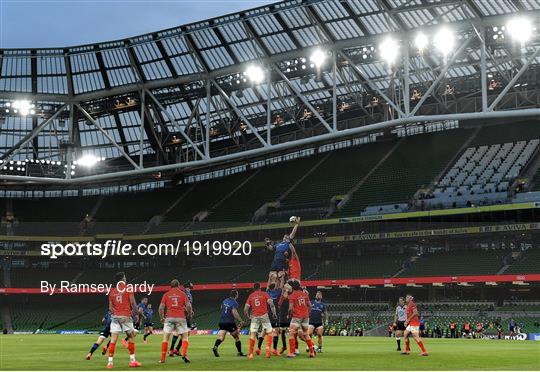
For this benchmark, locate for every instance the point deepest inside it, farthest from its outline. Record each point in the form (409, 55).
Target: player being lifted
(148, 324)
(281, 254)
(318, 317)
(299, 309)
(103, 335)
(228, 323)
(413, 324)
(186, 287)
(294, 271)
(123, 308)
(256, 309)
(173, 310)
(399, 321)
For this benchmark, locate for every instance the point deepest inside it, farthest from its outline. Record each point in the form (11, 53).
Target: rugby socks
(407, 345)
(398, 341)
(185, 345)
(292, 344)
(131, 348)
(217, 343)
(276, 340)
(112, 347)
(173, 342)
(164, 347)
(259, 344)
(421, 344)
(251, 346)
(238, 345)
(94, 348)
(309, 343)
(284, 340)
(269, 340)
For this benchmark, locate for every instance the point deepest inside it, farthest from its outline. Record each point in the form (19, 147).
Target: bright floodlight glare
(444, 41)
(520, 29)
(318, 57)
(22, 106)
(421, 41)
(389, 50)
(88, 160)
(255, 74)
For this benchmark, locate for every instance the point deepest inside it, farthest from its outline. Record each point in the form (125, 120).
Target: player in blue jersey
(148, 324)
(228, 322)
(282, 252)
(275, 293)
(137, 321)
(318, 317)
(103, 335)
(186, 287)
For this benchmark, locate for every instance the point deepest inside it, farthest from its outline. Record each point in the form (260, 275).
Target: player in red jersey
(122, 306)
(295, 269)
(413, 324)
(258, 302)
(175, 307)
(299, 309)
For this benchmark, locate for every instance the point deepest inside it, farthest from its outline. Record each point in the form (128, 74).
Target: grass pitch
(67, 352)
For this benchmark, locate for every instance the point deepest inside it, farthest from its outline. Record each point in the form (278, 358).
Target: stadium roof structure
(267, 80)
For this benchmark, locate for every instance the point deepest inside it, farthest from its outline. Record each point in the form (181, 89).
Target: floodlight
(421, 41)
(520, 29)
(255, 74)
(22, 106)
(318, 57)
(389, 50)
(88, 160)
(444, 41)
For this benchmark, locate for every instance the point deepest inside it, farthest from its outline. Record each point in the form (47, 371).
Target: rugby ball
(292, 219)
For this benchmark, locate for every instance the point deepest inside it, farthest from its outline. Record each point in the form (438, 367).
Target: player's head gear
(188, 284)
(257, 286)
(175, 283)
(234, 294)
(120, 277)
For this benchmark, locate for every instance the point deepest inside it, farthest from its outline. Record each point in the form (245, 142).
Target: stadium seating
(483, 174)
(527, 263)
(406, 170)
(337, 174)
(267, 185)
(452, 263)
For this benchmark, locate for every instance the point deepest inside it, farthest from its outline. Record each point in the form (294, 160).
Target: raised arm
(295, 227)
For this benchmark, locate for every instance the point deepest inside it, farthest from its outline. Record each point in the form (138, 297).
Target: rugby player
(148, 324)
(281, 253)
(400, 316)
(178, 307)
(228, 323)
(256, 309)
(412, 324)
(141, 307)
(103, 335)
(294, 271)
(316, 320)
(299, 309)
(284, 321)
(123, 307)
(186, 287)
(275, 293)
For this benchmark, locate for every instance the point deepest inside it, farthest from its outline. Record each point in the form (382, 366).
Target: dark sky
(59, 23)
